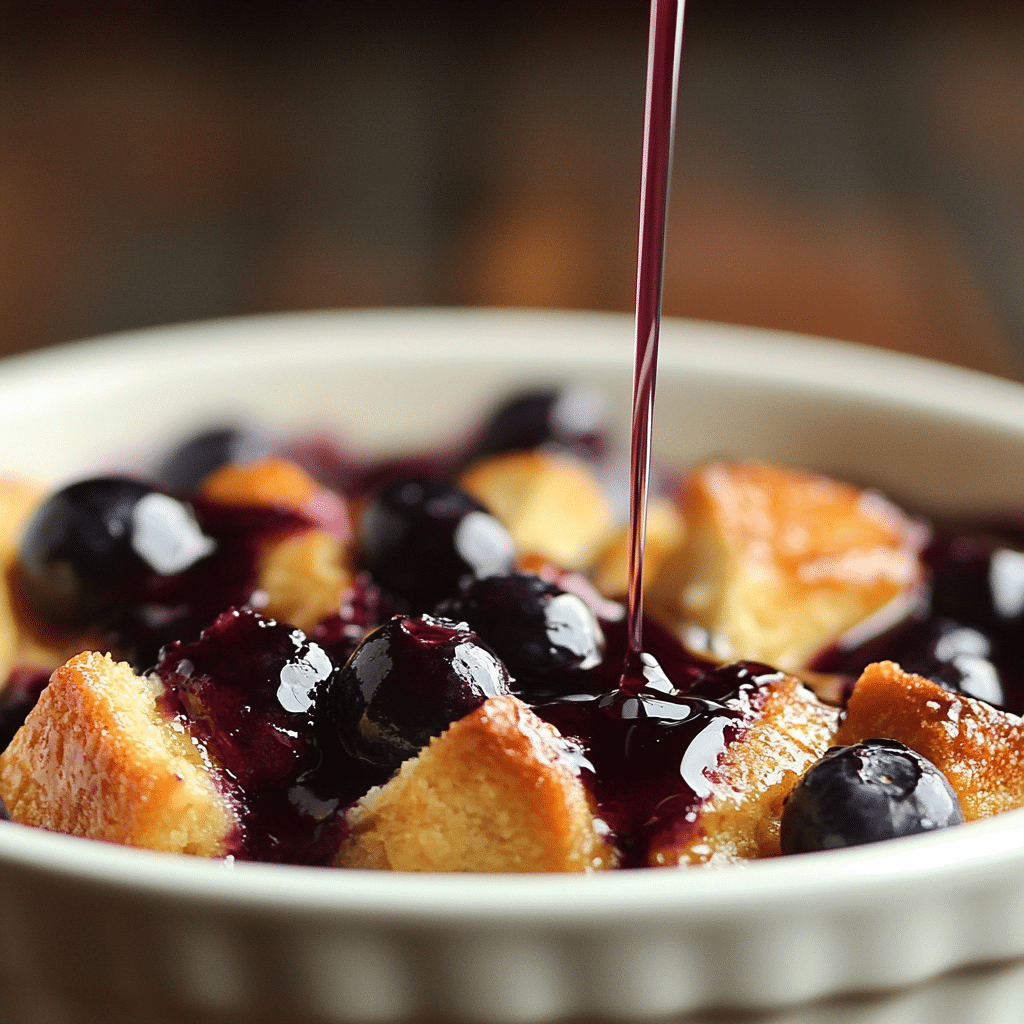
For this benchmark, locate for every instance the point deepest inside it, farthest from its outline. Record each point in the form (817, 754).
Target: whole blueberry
(91, 545)
(248, 685)
(978, 581)
(420, 538)
(874, 790)
(539, 630)
(408, 681)
(184, 468)
(572, 417)
(959, 658)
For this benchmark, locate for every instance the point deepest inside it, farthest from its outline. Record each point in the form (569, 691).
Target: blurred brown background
(846, 169)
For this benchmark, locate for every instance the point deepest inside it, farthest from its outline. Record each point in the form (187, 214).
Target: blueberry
(248, 685)
(5, 815)
(878, 789)
(539, 630)
(960, 659)
(90, 546)
(363, 608)
(574, 417)
(18, 698)
(408, 681)
(184, 468)
(420, 538)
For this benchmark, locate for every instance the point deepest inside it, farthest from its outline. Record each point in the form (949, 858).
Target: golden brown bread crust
(494, 793)
(278, 483)
(549, 502)
(979, 748)
(778, 563)
(302, 578)
(97, 758)
(741, 817)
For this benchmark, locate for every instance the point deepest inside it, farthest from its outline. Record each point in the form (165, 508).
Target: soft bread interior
(302, 578)
(779, 563)
(741, 816)
(98, 758)
(496, 792)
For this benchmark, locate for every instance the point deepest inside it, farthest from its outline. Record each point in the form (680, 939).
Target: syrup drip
(663, 57)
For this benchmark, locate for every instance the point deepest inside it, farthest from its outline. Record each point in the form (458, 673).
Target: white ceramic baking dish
(90, 932)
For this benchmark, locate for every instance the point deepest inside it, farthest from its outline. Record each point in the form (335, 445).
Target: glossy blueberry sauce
(159, 609)
(364, 606)
(965, 630)
(247, 689)
(647, 742)
(664, 52)
(646, 755)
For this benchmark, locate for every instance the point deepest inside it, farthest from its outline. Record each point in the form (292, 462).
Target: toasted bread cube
(493, 793)
(550, 503)
(741, 815)
(779, 563)
(97, 758)
(302, 578)
(278, 483)
(666, 531)
(979, 748)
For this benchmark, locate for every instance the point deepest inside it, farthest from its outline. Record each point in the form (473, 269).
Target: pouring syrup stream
(663, 58)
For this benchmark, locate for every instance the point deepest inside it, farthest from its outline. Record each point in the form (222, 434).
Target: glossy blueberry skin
(407, 682)
(978, 581)
(248, 685)
(421, 538)
(91, 545)
(574, 418)
(184, 468)
(539, 630)
(875, 790)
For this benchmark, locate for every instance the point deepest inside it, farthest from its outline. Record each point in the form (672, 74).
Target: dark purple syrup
(648, 740)
(159, 609)
(682, 667)
(363, 607)
(247, 690)
(663, 56)
(646, 756)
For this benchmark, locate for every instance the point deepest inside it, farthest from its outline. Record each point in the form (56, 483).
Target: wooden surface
(850, 173)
